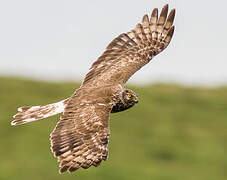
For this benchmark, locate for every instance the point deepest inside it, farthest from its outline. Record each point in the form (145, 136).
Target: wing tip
(171, 31)
(19, 109)
(145, 19)
(154, 12)
(165, 8)
(172, 15)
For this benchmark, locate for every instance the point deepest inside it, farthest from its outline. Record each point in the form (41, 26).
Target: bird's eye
(129, 95)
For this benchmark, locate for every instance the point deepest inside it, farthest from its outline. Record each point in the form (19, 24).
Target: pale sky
(59, 40)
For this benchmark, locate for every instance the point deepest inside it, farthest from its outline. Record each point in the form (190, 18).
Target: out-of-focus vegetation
(174, 133)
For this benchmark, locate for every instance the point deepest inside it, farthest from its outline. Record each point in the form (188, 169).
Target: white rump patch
(60, 106)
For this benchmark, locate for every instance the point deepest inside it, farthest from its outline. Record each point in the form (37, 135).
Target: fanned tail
(33, 113)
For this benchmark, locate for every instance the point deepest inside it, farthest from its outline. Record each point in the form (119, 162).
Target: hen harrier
(81, 136)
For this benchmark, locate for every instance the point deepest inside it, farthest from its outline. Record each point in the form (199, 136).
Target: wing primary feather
(153, 26)
(162, 16)
(170, 19)
(140, 31)
(162, 20)
(169, 23)
(153, 19)
(146, 27)
(135, 37)
(169, 36)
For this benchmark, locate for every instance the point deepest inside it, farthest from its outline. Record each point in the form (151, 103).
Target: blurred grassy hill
(174, 133)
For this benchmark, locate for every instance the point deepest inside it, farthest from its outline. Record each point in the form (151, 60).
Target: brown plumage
(130, 51)
(81, 136)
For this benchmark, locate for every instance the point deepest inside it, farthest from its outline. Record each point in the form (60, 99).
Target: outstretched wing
(81, 137)
(130, 51)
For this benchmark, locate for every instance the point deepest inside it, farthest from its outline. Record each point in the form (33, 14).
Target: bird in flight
(80, 138)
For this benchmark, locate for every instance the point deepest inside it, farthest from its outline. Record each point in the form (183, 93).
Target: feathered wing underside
(130, 51)
(81, 137)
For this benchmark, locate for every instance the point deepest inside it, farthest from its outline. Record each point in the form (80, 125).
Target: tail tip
(13, 123)
(19, 109)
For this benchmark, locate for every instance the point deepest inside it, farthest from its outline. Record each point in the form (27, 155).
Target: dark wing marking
(81, 137)
(130, 51)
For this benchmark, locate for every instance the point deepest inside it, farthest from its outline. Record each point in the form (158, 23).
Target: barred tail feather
(33, 113)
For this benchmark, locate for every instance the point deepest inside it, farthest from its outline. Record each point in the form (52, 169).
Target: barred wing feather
(130, 51)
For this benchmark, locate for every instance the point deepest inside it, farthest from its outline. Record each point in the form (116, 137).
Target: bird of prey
(80, 138)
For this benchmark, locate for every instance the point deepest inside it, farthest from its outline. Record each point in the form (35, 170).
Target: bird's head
(129, 97)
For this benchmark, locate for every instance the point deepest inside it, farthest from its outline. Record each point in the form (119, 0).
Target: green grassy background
(174, 133)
